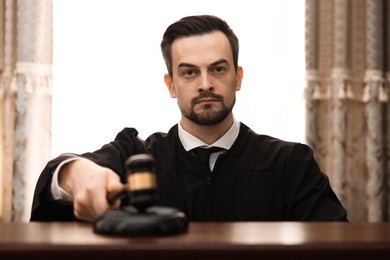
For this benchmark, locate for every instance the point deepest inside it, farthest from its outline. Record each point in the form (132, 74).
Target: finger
(115, 189)
(113, 182)
(100, 204)
(81, 209)
(97, 194)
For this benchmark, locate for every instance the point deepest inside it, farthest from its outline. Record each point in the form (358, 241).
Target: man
(254, 177)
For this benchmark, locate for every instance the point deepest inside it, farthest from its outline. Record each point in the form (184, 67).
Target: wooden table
(262, 240)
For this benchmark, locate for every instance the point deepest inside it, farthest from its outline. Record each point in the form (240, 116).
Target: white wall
(108, 69)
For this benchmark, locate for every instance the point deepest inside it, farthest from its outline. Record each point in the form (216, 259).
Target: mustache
(207, 94)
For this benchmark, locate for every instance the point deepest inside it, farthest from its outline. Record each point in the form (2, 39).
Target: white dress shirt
(226, 141)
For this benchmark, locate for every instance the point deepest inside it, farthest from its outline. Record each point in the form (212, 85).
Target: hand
(89, 185)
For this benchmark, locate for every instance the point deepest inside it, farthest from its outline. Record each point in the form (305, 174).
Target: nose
(205, 84)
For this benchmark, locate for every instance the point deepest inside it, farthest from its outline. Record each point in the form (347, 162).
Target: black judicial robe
(260, 178)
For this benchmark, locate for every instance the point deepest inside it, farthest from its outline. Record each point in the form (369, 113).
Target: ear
(239, 76)
(169, 82)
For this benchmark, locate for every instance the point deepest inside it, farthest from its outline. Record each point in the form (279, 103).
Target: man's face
(204, 78)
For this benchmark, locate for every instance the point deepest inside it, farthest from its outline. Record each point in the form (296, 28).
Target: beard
(208, 116)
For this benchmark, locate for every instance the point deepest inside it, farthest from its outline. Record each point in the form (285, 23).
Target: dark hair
(196, 25)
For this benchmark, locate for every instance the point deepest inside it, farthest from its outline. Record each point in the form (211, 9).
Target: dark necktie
(204, 205)
(204, 157)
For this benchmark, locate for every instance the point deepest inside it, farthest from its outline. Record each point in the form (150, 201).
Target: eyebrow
(215, 63)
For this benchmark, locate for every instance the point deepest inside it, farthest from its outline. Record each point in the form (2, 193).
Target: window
(108, 68)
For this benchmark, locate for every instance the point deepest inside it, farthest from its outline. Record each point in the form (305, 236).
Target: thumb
(113, 182)
(114, 185)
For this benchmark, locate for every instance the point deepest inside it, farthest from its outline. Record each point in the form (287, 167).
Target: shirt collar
(226, 141)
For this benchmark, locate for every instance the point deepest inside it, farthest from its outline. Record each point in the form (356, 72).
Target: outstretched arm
(88, 180)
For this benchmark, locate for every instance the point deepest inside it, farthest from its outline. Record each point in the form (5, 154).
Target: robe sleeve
(112, 155)
(309, 195)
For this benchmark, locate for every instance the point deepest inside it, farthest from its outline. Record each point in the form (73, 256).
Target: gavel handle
(113, 196)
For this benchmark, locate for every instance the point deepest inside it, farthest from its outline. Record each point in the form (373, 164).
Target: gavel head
(141, 181)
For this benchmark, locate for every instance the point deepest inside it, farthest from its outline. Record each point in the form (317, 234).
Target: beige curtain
(25, 102)
(347, 100)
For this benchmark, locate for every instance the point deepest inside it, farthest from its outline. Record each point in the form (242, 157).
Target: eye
(218, 69)
(190, 73)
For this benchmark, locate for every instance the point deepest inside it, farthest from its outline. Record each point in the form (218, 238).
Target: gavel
(141, 186)
(142, 217)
